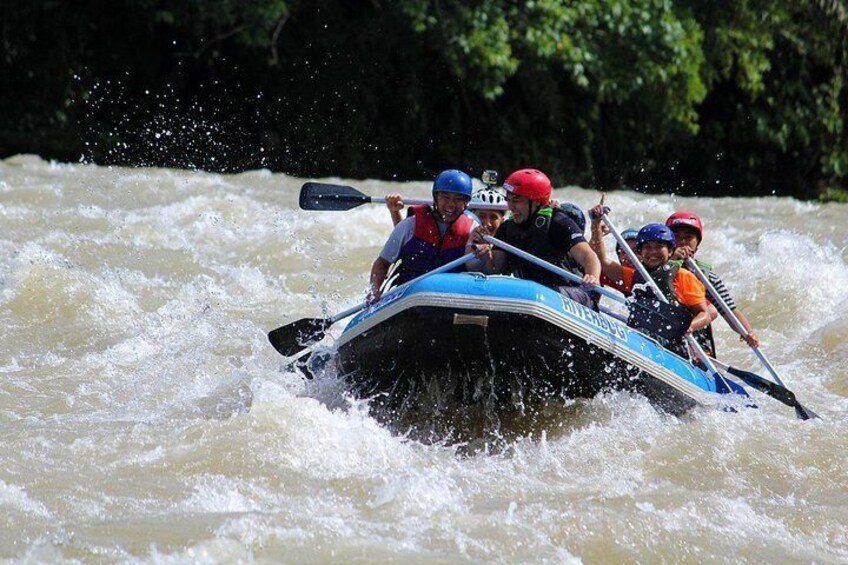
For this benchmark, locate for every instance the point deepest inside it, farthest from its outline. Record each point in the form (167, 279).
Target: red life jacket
(428, 249)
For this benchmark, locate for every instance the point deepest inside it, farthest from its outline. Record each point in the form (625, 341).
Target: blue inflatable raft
(505, 340)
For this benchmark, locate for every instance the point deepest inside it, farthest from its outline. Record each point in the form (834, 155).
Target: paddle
(666, 320)
(776, 391)
(731, 316)
(303, 333)
(293, 337)
(336, 197)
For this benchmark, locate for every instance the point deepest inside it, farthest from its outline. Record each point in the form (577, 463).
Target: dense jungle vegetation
(718, 97)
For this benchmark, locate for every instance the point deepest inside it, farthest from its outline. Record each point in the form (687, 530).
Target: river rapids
(145, 418)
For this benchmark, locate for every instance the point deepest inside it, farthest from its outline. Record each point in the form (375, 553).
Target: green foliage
(710, 97)
(781, 68)
(613, 51)
(474, 38)
(249, 22)
(834, 194)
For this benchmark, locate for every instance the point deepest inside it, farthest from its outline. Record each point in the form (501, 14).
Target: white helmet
(488, 196)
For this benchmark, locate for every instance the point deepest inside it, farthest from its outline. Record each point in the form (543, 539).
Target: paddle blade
(291, 338)
(333, 197)
(804, 413)
(776, 391)
(660, 319)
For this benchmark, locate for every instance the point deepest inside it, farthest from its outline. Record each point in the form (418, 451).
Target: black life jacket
(535, 240)
(642, 294)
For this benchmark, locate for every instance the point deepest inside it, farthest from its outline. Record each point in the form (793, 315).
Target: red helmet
(530, 183)
(684, 218)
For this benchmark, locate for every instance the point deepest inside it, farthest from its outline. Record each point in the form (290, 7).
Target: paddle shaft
(444, 268)
(702, 355)
(319, 333)
(349, 312)
(551, 267)
(406, 201)
(730, 316)
(417, 201)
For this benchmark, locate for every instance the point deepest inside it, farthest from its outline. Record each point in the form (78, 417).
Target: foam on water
(146, 419)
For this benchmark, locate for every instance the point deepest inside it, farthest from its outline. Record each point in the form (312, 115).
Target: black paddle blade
(776, 391)
(324, 197)
(660, 319)
(291, 338)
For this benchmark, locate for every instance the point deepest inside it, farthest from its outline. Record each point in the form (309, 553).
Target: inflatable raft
(479, 336)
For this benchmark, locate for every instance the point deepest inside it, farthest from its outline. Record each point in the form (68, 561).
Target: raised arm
(610, 268)
(394, 202)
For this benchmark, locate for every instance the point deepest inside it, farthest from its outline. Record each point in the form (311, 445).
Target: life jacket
(535, 240)
(428, 248)
(703, 265)
(664, 277)
(708, 340)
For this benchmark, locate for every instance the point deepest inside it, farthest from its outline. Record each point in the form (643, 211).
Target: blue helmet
(626, 235)
(656, 232)
(630, 233)
(575, 213)
(452, 180)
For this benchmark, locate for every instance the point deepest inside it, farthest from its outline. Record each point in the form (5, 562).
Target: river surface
(144, 417)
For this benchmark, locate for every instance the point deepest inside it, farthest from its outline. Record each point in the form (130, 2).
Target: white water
(145, 418)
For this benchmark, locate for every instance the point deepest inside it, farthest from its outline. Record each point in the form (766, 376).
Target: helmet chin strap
(532, 213)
